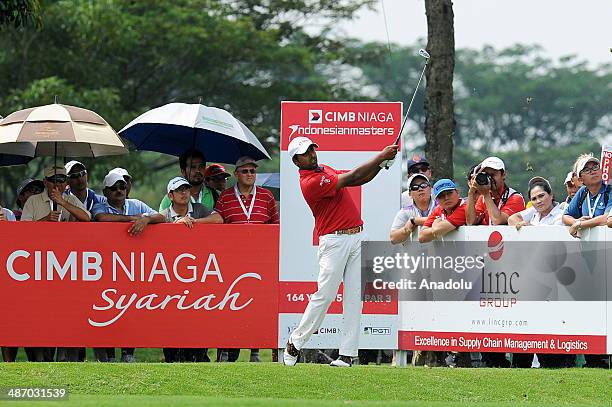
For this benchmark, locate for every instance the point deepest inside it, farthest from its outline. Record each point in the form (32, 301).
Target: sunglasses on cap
(120, 187)
(423, 185)
(76, 175)
(57, 179)
(247, 171)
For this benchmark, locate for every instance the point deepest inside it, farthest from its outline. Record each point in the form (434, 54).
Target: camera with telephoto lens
(482, 178)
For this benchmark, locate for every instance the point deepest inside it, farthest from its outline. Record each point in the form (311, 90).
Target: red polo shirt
(456, 217)
(514, 203)
(264, 208)
(332, 209)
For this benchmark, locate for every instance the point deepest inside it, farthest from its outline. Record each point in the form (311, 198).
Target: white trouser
(339, 258)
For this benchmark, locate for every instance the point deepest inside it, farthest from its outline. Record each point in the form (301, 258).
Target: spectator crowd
(429, 211)
(199, 195)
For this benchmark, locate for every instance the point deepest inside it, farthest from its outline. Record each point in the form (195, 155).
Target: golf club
(388, 163)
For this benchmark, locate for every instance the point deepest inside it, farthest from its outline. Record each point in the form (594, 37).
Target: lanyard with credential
(247, 214)
(200, 196)
(592, 210)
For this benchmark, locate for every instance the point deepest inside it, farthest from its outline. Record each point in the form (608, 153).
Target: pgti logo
(315, 116)
(377, 330)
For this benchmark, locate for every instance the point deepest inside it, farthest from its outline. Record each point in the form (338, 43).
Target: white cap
(494, 163)
(299, 145)
(569, 177)
(71, 164)
(583, 162)
(121, 171)
(112, 178)
(177, 182)
(413, 176)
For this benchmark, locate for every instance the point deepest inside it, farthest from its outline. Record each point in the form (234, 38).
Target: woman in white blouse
(544, 210)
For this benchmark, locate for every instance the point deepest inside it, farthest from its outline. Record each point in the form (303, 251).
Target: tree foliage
(19, 13)
(506, 99)
(121, 58)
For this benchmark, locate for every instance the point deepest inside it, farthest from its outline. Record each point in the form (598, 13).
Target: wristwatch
(579, 224)
(413, 222)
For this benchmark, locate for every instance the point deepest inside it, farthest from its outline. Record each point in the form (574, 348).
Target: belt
(349, 231)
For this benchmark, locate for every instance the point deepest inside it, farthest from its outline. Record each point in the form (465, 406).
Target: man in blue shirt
(77, 182)
(119, 209)
(591, 204)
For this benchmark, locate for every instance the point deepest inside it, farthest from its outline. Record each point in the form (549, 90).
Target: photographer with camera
(492, 202)
(497, 201)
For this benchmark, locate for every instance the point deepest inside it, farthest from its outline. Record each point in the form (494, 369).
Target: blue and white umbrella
(176, 127)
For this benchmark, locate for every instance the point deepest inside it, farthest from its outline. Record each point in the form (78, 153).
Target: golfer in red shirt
(339, 227)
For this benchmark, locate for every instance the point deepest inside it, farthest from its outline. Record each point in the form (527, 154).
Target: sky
(561, 27)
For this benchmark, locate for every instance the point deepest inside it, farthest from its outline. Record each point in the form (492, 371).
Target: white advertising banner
(521, 306)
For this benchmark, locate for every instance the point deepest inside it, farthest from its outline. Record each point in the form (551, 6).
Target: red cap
(214, 170)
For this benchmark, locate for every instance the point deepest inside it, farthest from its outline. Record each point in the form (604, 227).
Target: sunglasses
(247, 171)
(120, 187)
(590, 170)
(419, 168)
(76, 175)
(218, 178)
(57, 179)
(423, 185)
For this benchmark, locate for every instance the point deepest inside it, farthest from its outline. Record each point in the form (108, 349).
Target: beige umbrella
(58, 130)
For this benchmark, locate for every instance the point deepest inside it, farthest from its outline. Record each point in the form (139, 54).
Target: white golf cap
(176, 183)
(121, 171)
(112, 178)
(494, 163)
(569, 177)
(413, 176)
(299, 145)
(71, 164)
(583, 162)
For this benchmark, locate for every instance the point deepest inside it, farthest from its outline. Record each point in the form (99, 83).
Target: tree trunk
(439, 114)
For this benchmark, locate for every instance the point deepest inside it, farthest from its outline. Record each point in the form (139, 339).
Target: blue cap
(414, 160)
(442, 185)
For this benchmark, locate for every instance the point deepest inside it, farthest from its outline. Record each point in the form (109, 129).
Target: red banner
(93, 285)
(606, 163)
(496, 342)
(295, 295)
(342, 126)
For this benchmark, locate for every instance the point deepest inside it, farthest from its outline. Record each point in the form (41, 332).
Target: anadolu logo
(496, 245)
(315, 116)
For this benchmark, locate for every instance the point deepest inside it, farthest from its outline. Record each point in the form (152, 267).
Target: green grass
(264, 384)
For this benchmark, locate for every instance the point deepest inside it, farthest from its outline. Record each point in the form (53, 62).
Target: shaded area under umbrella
(7, 160)
(58, 130)
(176, 127)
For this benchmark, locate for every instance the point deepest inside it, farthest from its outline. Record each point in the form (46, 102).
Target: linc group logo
(315, 116)
(496, 245)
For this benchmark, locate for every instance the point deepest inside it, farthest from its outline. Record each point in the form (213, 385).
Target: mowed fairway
(270, 384)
